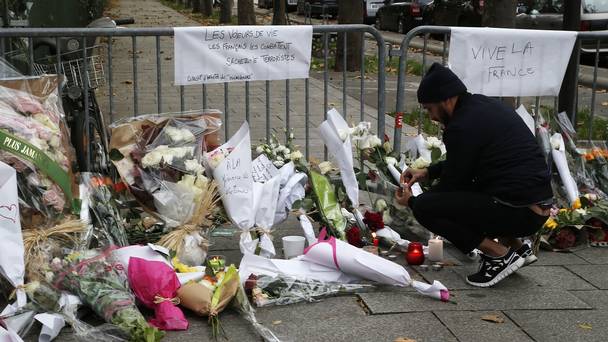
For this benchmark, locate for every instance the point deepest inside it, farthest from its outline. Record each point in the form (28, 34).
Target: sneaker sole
(502, 275)
(529, 260)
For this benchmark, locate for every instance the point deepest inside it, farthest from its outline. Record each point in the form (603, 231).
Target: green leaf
(115, 155)
(308, 204)
(297, 204)
(435, 154)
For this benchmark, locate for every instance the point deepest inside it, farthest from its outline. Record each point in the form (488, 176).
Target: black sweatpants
(466, 218)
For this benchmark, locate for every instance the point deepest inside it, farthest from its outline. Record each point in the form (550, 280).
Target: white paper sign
(262, 169)
(217, 54)
(508, 62)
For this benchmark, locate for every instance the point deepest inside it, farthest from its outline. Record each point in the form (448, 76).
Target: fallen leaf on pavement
(128, 82)
(604, 104)
(493, 318)
(277, 322)
(404, 339)
(585, 326)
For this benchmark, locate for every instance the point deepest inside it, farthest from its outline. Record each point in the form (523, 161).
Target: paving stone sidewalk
(562, 297)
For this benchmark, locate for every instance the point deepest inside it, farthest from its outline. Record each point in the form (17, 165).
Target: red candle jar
(415, 254)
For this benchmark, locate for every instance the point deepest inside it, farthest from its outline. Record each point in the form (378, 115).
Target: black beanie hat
(439, 84)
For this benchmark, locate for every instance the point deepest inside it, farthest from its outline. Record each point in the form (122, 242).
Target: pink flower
(54, 197)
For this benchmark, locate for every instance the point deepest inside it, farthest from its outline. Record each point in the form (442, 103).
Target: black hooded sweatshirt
(491, 150)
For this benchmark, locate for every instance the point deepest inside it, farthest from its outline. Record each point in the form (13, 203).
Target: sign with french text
(509, 62)
(217, 54)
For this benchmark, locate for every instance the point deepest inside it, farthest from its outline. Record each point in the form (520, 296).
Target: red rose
(353, 236)
(373, 220)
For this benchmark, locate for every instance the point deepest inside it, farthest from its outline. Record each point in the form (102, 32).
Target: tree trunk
(278, 13)
(567, 94)
(246, 13)
(226, 12)
(207, 8)
(500, 13)
(349, 12)
(196, 6)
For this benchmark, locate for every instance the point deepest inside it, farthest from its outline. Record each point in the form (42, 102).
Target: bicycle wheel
(89, 141)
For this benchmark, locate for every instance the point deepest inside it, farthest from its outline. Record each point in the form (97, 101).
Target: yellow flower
(563, 210)
(551, 224)
(182, 268)
(577, 204)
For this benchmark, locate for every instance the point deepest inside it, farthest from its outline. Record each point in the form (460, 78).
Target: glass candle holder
(414, 254)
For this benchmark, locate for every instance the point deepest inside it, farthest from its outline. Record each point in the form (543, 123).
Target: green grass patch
(371, 65)
(599, 130)
(419, 117)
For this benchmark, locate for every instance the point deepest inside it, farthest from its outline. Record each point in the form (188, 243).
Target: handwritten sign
(262, 169)
(217, 54)
(508, 62)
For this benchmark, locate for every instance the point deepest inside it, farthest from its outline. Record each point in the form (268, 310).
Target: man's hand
(402, 196)
(411, 176)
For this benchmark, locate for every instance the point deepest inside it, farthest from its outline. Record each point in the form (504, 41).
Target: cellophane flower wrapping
(155, 284)
(35, 141)
(104, 287)
(266, 290)
(159, 158)
(99, 209)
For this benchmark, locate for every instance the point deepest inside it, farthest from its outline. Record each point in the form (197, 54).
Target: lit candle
(435, 249)
(375, 240)
(415, 254)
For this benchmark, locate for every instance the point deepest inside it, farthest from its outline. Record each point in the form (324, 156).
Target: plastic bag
(100, 211)
(155, 284)
(267, 291)
(104, 287)
(34, 139)
(159, 158)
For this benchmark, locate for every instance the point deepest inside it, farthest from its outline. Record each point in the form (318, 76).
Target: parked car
(548, 15)
(401, 16)
(290, 5)
(370, 10)
(455, 12)
(318, 7)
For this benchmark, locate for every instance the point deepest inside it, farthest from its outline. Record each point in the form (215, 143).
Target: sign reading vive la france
(509, 62)
(217, 54)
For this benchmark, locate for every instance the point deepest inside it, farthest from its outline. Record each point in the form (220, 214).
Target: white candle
(435, 249)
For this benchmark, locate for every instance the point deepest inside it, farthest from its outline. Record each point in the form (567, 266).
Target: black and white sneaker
(525, 251)
(492, 270)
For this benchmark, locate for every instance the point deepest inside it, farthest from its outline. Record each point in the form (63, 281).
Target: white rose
(375, 141)
(296, 155)
(278, 163)
(181, 152)
(433, 142)
(390, 160)
(291, 136)
(286, 151)
(178, 135)
(362, 128)
(343, 134)
(55, 141)
(421, 163)
(387, 147)
(387, 218)
(201, 181)
(187, 180)
(381, 205)
(591, 197)
(364, 143)
(151, 159)
(348, 216)
(260, 149)
(279, 158)
(192, 165)
(556, 141)
(325, 167)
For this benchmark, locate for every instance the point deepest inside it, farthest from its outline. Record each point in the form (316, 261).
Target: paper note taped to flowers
(508, 62)
(218, 54)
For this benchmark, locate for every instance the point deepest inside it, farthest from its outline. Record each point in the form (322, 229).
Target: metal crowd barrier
(592, 42)
(137, 35)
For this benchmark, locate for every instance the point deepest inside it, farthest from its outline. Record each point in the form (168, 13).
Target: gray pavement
(563, 297)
